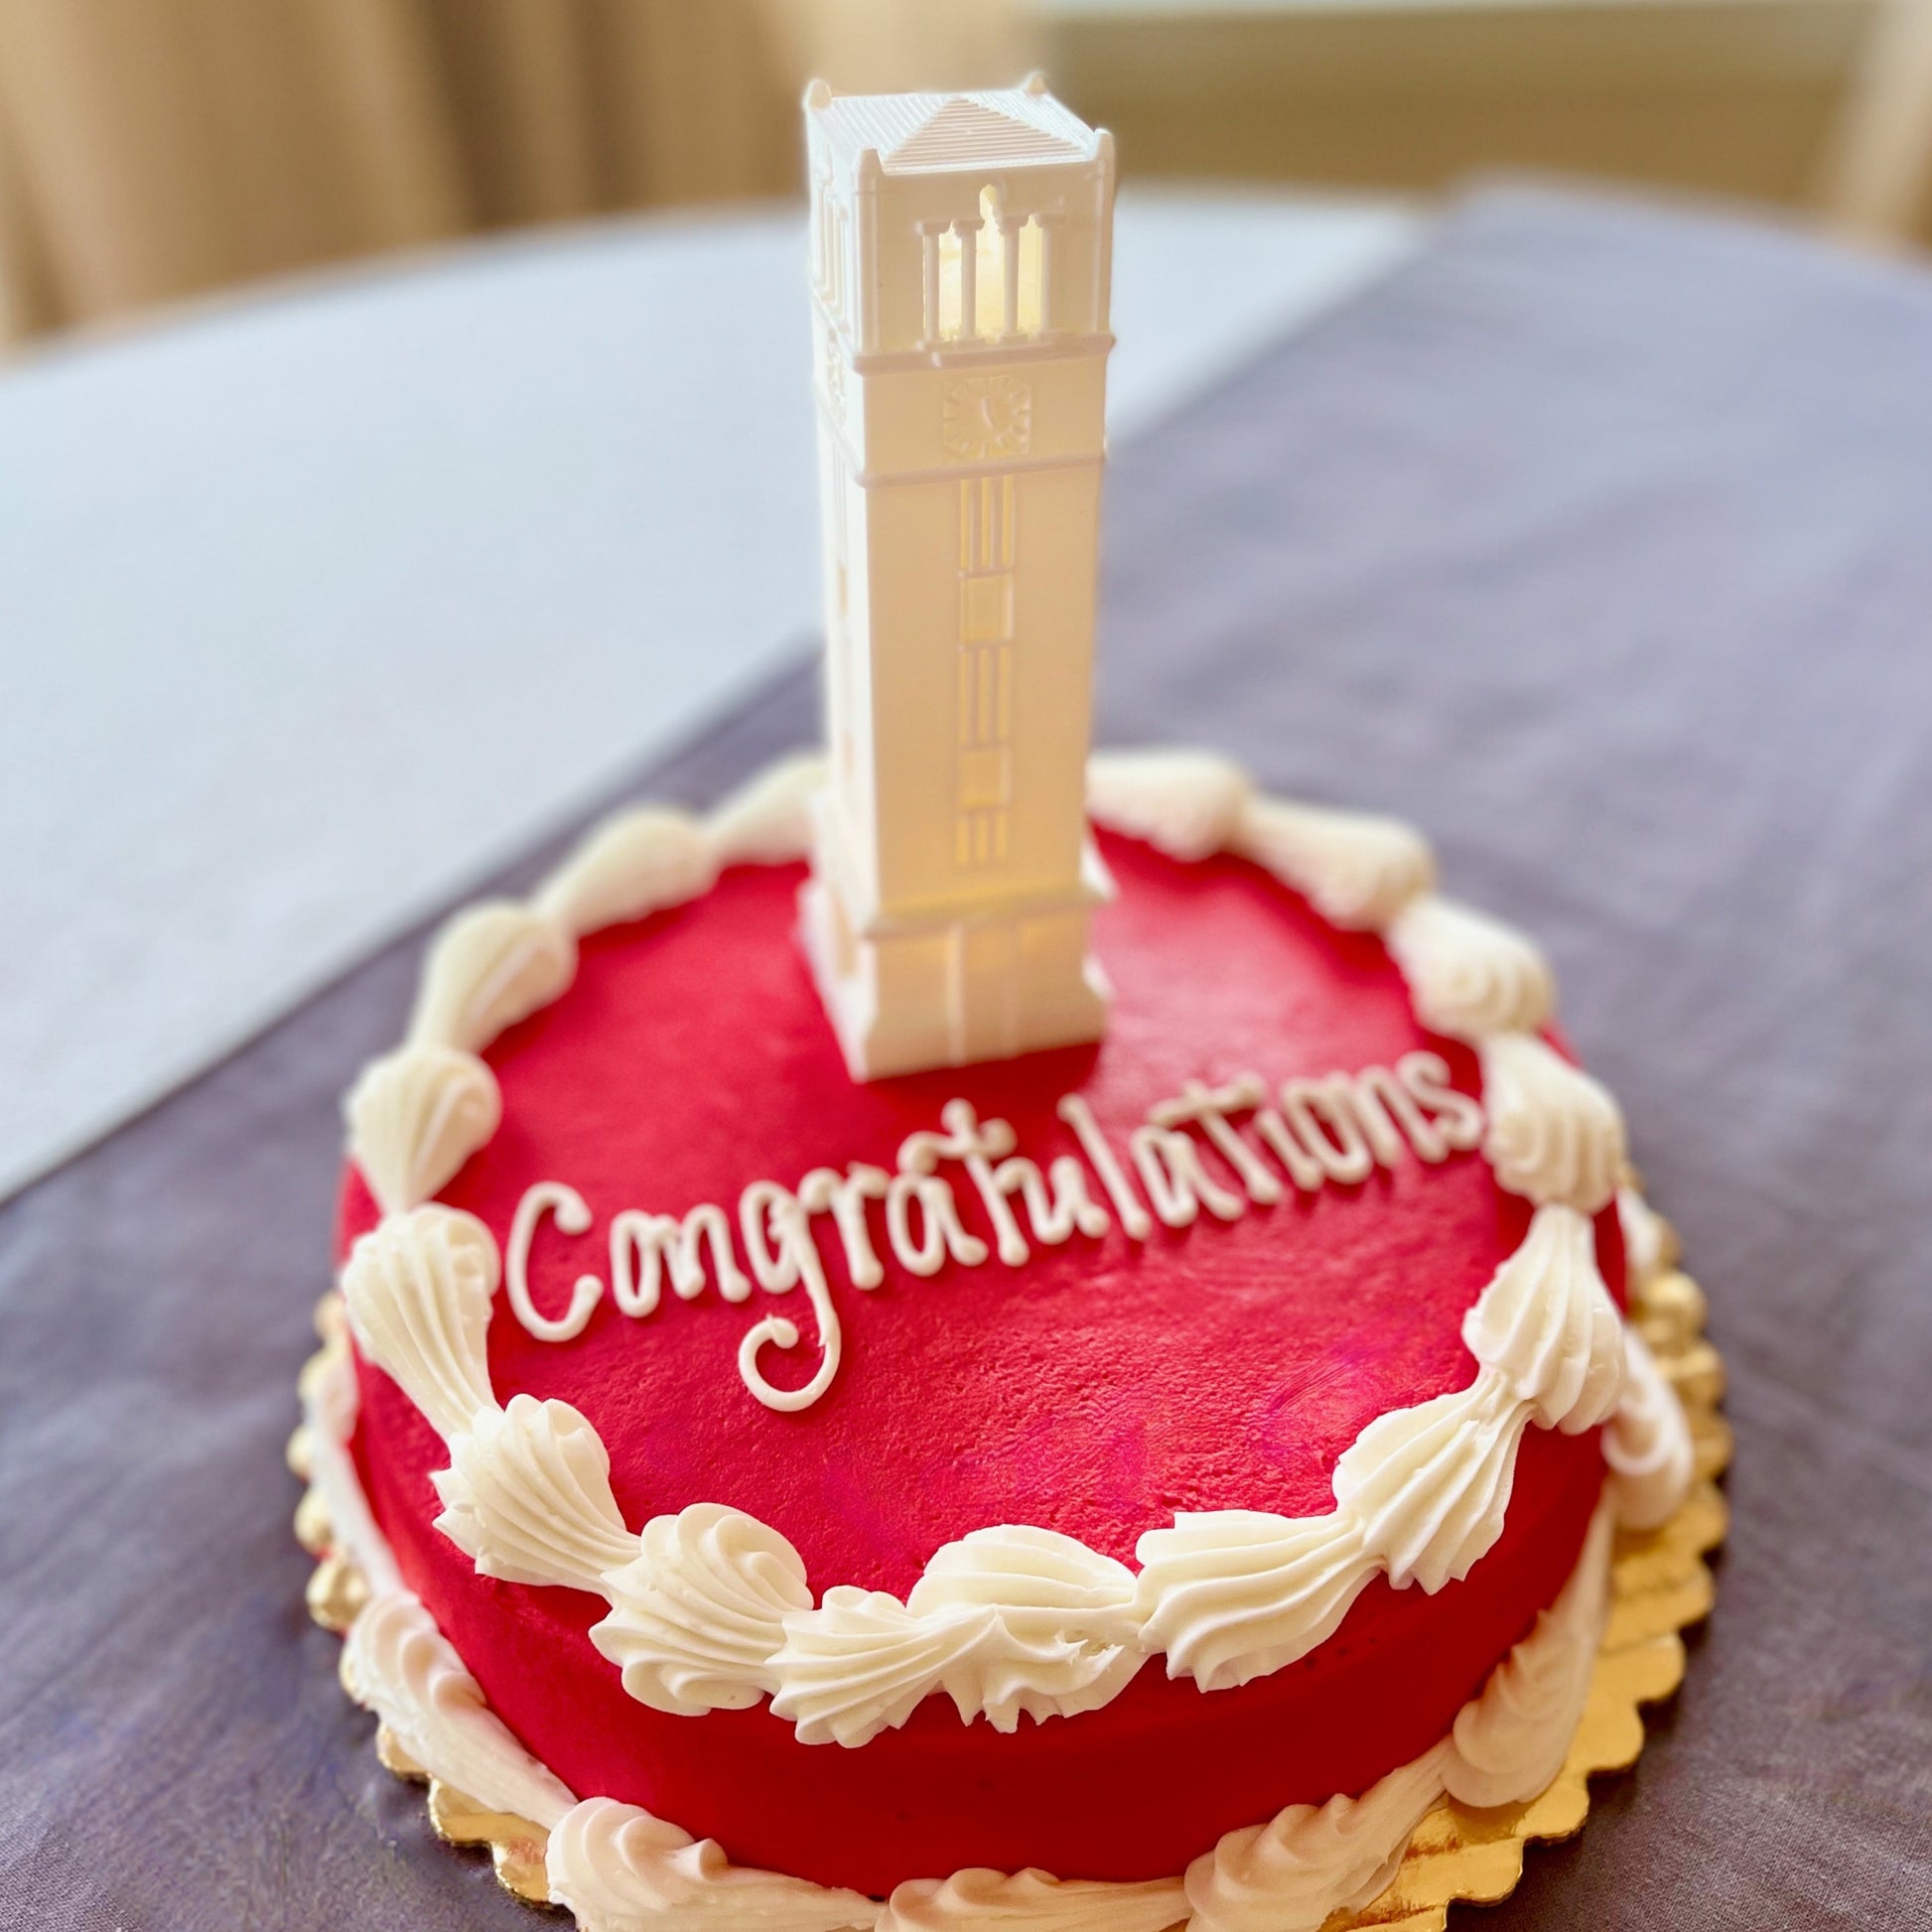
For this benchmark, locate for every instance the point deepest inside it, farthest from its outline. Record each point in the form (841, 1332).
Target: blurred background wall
(157, 149)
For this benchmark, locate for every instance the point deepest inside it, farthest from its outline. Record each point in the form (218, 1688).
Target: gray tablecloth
(1600, 543)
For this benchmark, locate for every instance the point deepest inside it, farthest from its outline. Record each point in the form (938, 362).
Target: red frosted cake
(1109, 1432)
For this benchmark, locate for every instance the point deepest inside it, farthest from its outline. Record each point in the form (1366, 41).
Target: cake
(983, 1335)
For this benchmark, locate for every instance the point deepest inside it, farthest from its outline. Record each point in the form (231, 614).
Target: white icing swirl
(418, 1289)
(636, 862)
(1555, 1134)
(487, 969)
(1547, 1324)
(619, 1870)
(1033, 1901)
(1188, 805)
(1025, 1573)
(1469, 976)
(768, 821)
(1647, 1445)
(1234, 1593)
(1358, 870)
(1009, 1622)
(861, 1663)
(414, 1117)
(1309, 1860)
(1428, 1486)
(1510, 1743)
(697, 1615)
(397, 1663)
(1067, 1632)
(527, 1496)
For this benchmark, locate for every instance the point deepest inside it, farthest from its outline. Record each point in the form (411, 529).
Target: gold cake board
(1660, 1584)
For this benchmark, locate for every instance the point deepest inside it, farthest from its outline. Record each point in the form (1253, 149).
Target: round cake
(1126, 1484)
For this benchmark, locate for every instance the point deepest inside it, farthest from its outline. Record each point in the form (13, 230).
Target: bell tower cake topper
(961, 261)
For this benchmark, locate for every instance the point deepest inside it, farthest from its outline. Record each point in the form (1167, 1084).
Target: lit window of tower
(962, 254)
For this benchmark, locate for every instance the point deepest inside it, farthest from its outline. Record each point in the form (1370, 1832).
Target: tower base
(951, 992)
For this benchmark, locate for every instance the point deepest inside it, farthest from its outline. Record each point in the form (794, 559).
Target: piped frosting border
(710, 1609)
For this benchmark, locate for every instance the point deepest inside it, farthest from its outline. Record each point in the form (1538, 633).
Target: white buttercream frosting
(634, 863)
(619, 1870)
(1547, 1324)
(1232, 1595)
(1555, 1134)
(1291, 1874)
(488, 968)
(1428, 1487)
(415, 1116)
(1510, 1743)
(1469, 975)
(1067, 1627)
(1031, 1901)
(1023, 1571)
(1647, 1445)
(862, 1662)
(527, 1496)
(1009, 1622)
(767, 822)
(1356, 869)
(418, 1289)
(1188, 805)
(698, 1614)
(397, 1663)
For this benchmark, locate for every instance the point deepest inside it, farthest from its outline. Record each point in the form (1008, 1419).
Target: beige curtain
(153, 149)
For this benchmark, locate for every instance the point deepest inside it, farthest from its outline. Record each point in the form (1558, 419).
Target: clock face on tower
(986, 416)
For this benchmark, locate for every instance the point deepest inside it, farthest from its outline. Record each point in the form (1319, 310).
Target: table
(321, 604)
(1592, 540)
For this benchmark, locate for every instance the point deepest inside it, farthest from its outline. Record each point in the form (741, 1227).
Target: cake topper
(961, 261)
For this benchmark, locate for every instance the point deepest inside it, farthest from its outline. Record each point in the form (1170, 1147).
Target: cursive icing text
(1219, 1150)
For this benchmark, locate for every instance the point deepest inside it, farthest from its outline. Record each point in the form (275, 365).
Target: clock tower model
(961, 257)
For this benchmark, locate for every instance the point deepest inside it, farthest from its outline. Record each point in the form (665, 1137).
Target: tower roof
(914, 134)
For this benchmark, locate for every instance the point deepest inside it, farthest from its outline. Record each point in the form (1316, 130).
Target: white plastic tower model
(961, 259)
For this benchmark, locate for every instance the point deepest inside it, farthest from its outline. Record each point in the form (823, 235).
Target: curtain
(154, 149)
